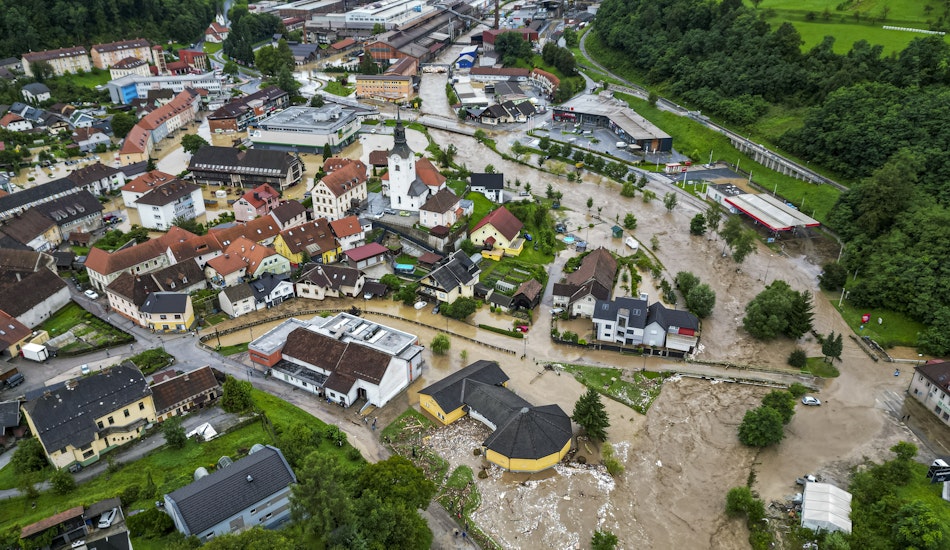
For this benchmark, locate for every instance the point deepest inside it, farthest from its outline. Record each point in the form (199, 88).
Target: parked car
(14, 380)
(404, 213)
(91, 294)
(809, 400)
(528, 237)
(522, 328)
(75, 467)
(420, 305)
(84, 370)
(435, 310)
(106, 519)
(390, 211)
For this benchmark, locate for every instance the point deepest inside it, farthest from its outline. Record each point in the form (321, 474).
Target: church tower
(402, 169)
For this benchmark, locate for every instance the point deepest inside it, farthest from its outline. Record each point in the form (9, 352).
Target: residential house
(249, 168)
(338, 361)
(80, 212)
(339, 191)
(257, 202)
(263, 230)
(168, 312)
(289, 214)
(170, 201)
(13, 336)
(97, 178)
(185, 392)
(35, 92)
(103, 267)
(313, 240)
(138, 187)
(367, 255)
(496, 114)
(671, 328)
(441, 208)
(593, 280)
(61, 530)
(244, 258)
(15, 123)
(78, 420)
(88, 139)
(25, 261)
(333, 164)
(271, 290)
(490, 185)
(348, 232)
(81, 119)
(47, 294)
(454, 278)
(107, 55)
(321, 281)
(128, 293)
(33, 229)
(237, 300)
(931, 386)
(197, 60)
(621, 321)
(129, 66)
(498, 233)
(525, 438)
(237, 114)
(250, 492)
(62, 61)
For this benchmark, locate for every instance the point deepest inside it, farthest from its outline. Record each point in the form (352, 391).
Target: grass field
(234, 349)
(896, 329)
(91, 79)
(335, 88)
(819, 367)
(212, 47)
(637, 393)
(481, 208)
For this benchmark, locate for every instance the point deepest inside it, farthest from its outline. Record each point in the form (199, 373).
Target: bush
(738, 501)
(130, 495)
(477, 452)
(354, 454)
(150, 523)
(797, 358)
(797, 390)
(62, 482)
(612, 463)
(29, 456)
(482, 474)
(512, 333)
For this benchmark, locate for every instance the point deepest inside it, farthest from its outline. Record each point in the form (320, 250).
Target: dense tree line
(247, 29)
(34, 25)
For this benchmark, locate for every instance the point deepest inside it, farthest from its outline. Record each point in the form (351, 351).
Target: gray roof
(36, 88)
(633, 309)
(449, 392)
(248, 161)
(238, 292)
(456, 270)
(64, 416)
(70, 208)
(222, 494)
(31, 195)
(666, 318)
(165, 302)
(499, 299)
(331, 276)
(9, 415)
(496, 403)
(532, 432)
(266, 284)
(417, 187)
(400, 147)
(489, 181)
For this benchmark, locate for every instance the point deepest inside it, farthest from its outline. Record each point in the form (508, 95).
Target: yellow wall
(156, 322)
(429, 405)
(514, 251)
(328, 256)
(488, 230)
(524, 465)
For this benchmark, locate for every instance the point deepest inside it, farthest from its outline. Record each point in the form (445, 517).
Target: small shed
(826, 507)
(617, 231)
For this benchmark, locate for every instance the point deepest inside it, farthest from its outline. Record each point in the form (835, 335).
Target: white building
(307, 129)
(411, 182)
(175, 199)
(134, 86)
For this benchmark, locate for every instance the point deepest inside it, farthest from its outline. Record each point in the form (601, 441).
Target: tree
(397, 479)
(628, 189)
(236, 395)
(670, 201)
(603, 540)
(174, 433)
(327, 152)
(833, 276)
(781, 401)
(407, 293)
(761, 427)
(686, 281)
(489, 168)
(800, 316)
(832, 346)
(286, 81)
(905, 451)
(440, 344)
(797, 358)
(511, 46)
(767, 315)
(630, 221)
(256, 537)
(322, 499)
(739, 501)
(701, 300)
(62, 482)
(459, 309)
(917, 526)
(231, 68)
(379, 28)
(190, 224)
(317, 101)
(153, 522)
(192, 142)
(590, 202)
(122, 124)
(590, 414)
(544, 143)
(697, 225)
(368, 64)
(29, 456)
(391, 281)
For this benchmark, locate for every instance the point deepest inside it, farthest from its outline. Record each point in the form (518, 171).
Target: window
(141, 406)
(111, 421)
(100, 424)
(126, 413)
(163, 317)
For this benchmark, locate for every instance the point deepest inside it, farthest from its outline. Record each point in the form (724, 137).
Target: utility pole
(496, 15)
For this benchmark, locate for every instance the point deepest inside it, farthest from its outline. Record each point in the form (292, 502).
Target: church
(411, 181)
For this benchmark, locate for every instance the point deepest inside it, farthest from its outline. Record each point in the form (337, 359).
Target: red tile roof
(258, 196)
(346, 227)
(51, 521)
(183, 387)
(11, 330)
(147, 181)
(504, 221)
(310, 237)
(428, 173)
(107, 263)
(335, 163)
(361, 253)
(345, 178)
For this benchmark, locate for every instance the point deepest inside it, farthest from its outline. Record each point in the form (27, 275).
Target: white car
(91, 294)
(106, 519)
(809, 400)
(84, 370)
(420, 305)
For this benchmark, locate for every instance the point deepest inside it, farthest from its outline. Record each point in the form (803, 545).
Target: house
(138, 187)
(490, 185)
(253, 491)
(168, 312)
(185, 392)
(454, 278)
(621, 320)
(525, 438)
(62, 61)
(527, 295)
(170, 201)
(312, 240)
(81, 119)
(13, 336)
(411, 182)
(931, 386)
(197, 60)
(442, 208)
(379, 158)
(348, 232)
(333, 164)
(216, 33)
(237, 114)
(671, 328)
(107, 55)
(496, 114)
(48, 294)
(15, 123)
(77, 212)
(103, 267)
(237, 300)
(257, 202)
(367, 255)
(322, 281)
(546, 82)
(335, 359)
(249, 168)
(158, 125)
(498, 233)
(271, 290)
(289, 214)
(244, 258)
(78, 420)
(88, 139)
(128, 293)
(593, 280)
(33, 229)
(339, 191)
(35, 92)
(25, 261)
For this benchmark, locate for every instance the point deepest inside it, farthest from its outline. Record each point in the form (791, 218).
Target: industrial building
(618, 117)
(307, 129)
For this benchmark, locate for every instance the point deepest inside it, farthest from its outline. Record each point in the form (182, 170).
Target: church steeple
(400, 148)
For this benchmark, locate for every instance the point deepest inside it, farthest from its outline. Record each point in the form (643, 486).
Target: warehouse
(619, 118)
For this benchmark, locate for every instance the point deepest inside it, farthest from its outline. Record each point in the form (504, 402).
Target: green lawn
(637, 394)
(96, 77)
(480, 209)
(234, 349)
(66, 318)
(457, 186)
(215, 318)
(819, 367)
(896, 329)
(335, 88)
(212, 47)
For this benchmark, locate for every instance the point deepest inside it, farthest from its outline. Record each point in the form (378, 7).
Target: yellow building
(168, 312)
(388, 87)
(13, 335)
(525, 438)
(313, 240)
(499, 234)
(79, 421)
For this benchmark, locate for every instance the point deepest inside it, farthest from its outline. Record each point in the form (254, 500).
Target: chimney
(71, 384)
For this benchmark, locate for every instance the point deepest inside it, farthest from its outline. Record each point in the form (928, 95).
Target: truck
(35, 352)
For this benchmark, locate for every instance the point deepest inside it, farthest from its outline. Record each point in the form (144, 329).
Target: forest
(35, 25)
(878, 120)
